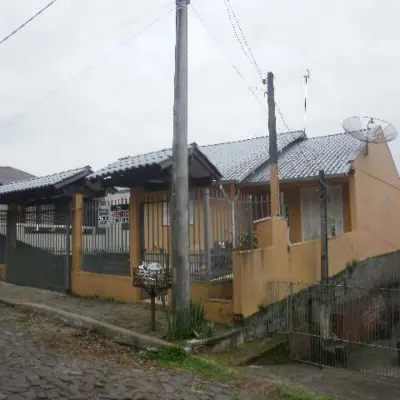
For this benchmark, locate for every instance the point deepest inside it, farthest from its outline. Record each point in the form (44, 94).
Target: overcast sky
(81, 85)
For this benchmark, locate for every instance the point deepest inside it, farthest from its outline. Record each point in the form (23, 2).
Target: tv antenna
(306, 78)
(370, 130)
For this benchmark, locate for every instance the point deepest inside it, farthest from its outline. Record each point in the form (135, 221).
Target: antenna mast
(306, 77)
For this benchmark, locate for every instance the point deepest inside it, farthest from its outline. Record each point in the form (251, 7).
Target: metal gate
(339, 325)
(40, 255)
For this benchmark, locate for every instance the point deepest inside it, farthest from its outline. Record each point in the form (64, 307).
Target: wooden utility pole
(324, 227)
(273, 147)
(180, 173)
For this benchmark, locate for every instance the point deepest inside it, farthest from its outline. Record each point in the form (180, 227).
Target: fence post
(251, 222)
(68, 232)
(207, 235)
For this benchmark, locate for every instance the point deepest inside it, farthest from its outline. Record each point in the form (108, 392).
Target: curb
(115, 333)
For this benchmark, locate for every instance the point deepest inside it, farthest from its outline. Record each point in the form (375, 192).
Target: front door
(311, 212)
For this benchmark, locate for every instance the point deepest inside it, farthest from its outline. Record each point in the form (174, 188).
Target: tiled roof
(50, 180)
(303, 160)
(141, 160)
(161, 158)
(10, 174)
(236, 160)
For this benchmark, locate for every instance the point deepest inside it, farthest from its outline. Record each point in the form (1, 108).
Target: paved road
(42, 360)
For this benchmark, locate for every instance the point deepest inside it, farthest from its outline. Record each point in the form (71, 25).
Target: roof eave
(300, 179)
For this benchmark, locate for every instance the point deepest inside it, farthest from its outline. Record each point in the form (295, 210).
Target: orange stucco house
(363, 211)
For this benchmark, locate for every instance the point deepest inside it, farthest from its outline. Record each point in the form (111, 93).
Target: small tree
(155, 279)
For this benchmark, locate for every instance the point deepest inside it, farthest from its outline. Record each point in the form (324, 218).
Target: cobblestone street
(43, 360)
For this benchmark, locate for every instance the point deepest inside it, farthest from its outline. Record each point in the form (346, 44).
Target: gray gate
(338, 325)
(41, 256)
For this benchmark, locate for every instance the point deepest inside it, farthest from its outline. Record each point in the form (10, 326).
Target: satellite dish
(370, 130)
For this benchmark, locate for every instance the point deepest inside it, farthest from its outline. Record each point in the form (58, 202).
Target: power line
(378, 179)
(241, 38)
(26, 22)
(87, 69)
(251, 90)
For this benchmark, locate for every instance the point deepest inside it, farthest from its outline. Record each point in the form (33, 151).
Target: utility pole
(180, 180)
(324, 226)
(273, 147)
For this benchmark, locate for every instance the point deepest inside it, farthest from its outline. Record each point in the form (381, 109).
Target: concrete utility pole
(324, 226)
(180, 180)
(273, 147)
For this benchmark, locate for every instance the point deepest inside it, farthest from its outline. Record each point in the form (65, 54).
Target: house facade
(230, 202)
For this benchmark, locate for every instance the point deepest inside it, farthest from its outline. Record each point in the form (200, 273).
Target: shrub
(194, 325)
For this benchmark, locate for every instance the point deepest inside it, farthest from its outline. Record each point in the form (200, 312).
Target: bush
(193, 326)
(245, 241)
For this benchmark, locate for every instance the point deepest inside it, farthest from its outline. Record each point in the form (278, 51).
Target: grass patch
(176, 358)
(291, 393)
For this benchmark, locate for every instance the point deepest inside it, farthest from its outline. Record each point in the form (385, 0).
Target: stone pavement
(130, 316)
(40, 359)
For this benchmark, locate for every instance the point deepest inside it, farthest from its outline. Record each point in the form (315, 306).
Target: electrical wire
(241, 38)
(74, 77)
(378, 179)
(27, 22)
(241, 76)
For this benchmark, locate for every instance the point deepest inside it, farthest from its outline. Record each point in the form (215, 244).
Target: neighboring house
(10, 174)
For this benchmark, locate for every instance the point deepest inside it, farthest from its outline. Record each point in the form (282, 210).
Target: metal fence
(106, 235)
(41, 257)
(219, 225)
(343, 326)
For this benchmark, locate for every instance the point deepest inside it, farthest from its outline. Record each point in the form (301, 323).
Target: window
(167, 213)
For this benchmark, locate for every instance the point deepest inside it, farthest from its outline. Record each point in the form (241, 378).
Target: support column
(77, 234)
(11, 239)
(135, 199)
(352, 198)
(274, 187)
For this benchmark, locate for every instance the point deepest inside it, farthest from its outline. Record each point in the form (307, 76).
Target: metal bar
(251, 223)
(207, 234)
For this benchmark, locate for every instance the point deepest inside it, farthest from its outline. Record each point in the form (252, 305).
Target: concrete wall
(253, 270)
(375, 191)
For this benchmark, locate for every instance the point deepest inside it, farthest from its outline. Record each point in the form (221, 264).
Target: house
(231, 185)
(363, 209)
(10, 174)
(245, 171)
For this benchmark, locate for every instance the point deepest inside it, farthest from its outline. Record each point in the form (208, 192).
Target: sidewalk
(135, 317)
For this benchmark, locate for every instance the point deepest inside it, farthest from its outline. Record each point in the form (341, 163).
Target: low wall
(113, 287)
(216, 298)
(253, 270)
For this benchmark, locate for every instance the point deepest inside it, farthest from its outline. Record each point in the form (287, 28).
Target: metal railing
(352, 327)
(106, 235)
(218, 225)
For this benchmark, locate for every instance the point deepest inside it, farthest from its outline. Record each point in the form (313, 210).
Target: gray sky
(74, 91)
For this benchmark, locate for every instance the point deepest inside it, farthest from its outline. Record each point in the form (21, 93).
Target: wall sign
(104, 216)
(120, 213)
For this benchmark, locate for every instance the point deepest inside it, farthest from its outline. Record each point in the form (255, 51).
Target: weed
(291, 393)
(175, 357)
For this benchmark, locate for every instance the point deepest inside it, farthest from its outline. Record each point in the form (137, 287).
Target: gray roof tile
(304, 159)
(236, 160)
(36, 183)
